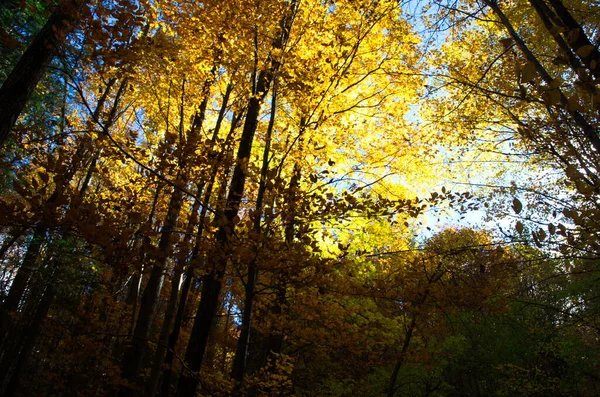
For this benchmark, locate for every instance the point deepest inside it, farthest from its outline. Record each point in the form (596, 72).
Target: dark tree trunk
(19, 284)
(135, 352)
(174, 336)
(588, 130)
(29, 339)
(20, 83)
(21, 280)
(401, 357)
(239, 362)
(211, 290)
(209, 299)
(163, 339)
(578, 38)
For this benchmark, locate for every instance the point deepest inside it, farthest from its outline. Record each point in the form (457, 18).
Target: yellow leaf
(528, 72)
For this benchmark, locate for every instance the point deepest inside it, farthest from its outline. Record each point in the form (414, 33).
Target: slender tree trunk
(550, 21)
(274, 344)
(212, 282)
(62, 181)
(578, 38)
(211, 290)
(407, 337)
(20, 83)
(588, 130)
(19, 284)
(133, 357)
(163, 339)
(239, 362)
(134, 354)
(401, 357)
(30, 334)
(29, 339)
(10, 241)
(174, 336)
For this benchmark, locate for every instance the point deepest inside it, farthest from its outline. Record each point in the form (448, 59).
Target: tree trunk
(239, 362)
(579, 39)
(174, 336)
(19, 284)
(135, 352)
(211, 290)
(212, 282)
(20, 83)
(163, 339)
(405, 344)
(588, 130)
(29, 339)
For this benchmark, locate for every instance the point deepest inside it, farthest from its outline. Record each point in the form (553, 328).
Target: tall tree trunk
(401, 357)
(20, 83)
(212, 282)
(408, 336)
(161, 348)
(29, 339)
(174, 336)
(21, 280)
(30, 334)
(578, 38)
(211, 290)
(135, 353)
(588, 130)
(19, 284)
(274, 344)
(10, 240)
(239, 362)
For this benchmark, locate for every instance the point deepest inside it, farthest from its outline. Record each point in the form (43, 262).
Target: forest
(300, 198)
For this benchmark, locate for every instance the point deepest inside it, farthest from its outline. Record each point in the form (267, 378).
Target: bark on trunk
(135, 353)
(21, 280)
(163, 339)
(19, 284)
(405, 344)
(239, 362)
(578, 38)
(174, 336)
(29, 340)
(20, 83)
(211, 290)
(212, 282)
(589, 131)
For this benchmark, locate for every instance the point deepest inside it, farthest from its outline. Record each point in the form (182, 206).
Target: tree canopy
(299, 197)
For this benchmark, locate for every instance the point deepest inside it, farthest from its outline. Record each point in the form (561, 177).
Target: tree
(20, 83)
